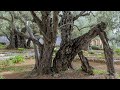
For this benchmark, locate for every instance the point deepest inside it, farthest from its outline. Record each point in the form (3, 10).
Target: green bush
(17, 59)
(95, 47)
(13, 60)
(117, 51)
(21, 49)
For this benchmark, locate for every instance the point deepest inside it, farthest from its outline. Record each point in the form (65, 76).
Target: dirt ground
(69, 74)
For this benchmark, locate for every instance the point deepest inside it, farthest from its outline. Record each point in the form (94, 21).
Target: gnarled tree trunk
(44, 53)
(108, 53)
(71, 49)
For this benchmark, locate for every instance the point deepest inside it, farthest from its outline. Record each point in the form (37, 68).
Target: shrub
(117, 51)
(12, 60)
(17, 59)
(95, 47)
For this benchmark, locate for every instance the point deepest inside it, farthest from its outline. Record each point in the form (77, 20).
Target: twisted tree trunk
(67, 52)
(108, 53)
(44, 53)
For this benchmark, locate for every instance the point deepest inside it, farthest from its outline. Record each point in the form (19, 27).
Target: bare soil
(69, 74)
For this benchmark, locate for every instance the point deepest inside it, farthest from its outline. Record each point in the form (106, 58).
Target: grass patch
(91, 52)
(17, 59)
(117, 51)
(6, 63)
(13, 60)
(21, 49)
(100, 56)
(15, 69)
(95, 71)
(2, 46)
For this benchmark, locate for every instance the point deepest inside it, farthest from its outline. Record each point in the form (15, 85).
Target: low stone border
(116, 60)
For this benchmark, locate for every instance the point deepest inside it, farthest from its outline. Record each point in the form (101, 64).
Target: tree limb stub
(4, 18)
(75, 26)
(82, 13)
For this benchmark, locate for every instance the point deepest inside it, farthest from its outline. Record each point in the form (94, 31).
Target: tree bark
(67, 29)
(49, 31)
(28, 43)
(85, 64)
(108, 52)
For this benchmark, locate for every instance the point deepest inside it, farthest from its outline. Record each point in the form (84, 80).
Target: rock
(56, 75)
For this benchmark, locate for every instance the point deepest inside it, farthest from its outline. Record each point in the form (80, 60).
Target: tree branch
(37, 20)
(82, 13)
(12, 15)
(55, 24)
(75, 26)
(40, 24)
(20, 18)
(4, 18)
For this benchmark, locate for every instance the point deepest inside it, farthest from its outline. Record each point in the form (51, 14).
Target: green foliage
(16, 69)
(101, 56)
(94, 47)
(117, 51)
(17, 59)
(2, 46)
(7, 63)
(13, 60)
(95, 71)
(21, 49)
